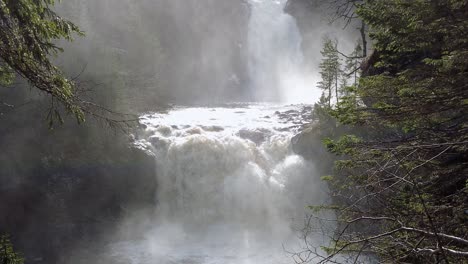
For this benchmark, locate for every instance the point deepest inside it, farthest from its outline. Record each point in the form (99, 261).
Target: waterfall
(226, 164)
(230, 189)
(276, 61)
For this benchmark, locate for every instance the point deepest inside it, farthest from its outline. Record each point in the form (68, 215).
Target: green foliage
(29, 30)
(404, 166)
(7, 253)
(6, 75)
(352, 65)
(345, 145)
(329, 69)
(328, 178)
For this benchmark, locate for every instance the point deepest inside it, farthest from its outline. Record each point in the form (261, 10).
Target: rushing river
(230, 188)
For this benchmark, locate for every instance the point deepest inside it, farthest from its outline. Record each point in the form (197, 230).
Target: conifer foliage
(401, 182)
(329, 70)
(7, 253)
(29, 30)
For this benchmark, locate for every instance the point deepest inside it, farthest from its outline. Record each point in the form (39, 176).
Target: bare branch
(445, 236)
(446, 250)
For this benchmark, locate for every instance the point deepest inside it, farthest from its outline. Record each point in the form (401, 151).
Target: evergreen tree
(353, 63)
(7, 253)
(401, 182)
(29, 30)
(329, 70)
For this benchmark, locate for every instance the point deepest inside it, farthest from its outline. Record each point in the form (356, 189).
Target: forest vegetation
(394, 120)
(29, 29)
(399, 133)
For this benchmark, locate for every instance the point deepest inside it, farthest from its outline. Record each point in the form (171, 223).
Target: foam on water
(230, 189)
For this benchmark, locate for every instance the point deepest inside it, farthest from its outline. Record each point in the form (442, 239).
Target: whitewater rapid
(230, 189)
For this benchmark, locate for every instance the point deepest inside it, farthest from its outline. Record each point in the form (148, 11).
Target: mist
(209, 174)
(191, 52)
(230, 190)
(172, 51)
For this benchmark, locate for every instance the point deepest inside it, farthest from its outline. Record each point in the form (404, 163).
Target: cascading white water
(230, 189)
(226, 164)
(276, 62)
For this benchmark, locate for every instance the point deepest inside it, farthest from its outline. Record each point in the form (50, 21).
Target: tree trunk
(364, 39)
(336, 86)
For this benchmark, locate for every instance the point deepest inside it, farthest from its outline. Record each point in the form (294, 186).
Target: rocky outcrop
(314, 22)
(62, 187)
(308, 144)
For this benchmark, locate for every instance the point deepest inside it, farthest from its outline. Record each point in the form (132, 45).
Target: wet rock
(213, 128)
(256, 136)
(308, 144)
(157, 142)
(194, 131)
(164, 130)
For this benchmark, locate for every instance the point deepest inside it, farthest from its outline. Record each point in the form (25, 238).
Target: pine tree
(7, 253)
(352, 64)
(29, 31)
(329, 70)
(402, 180)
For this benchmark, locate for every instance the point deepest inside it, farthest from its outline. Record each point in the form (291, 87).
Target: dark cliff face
(206, 43)
(173, 51)
(311, 25)
(314, 22)
(67, 187)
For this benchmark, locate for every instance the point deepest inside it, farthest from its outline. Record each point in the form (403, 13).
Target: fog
(230, 190)
(172, 51)
(221, 186)
(209, 51)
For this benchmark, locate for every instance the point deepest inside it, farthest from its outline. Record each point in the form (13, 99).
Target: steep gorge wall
(206, 45)
(69, 186)
(315, 21)
(178, 51)
(307, 19)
